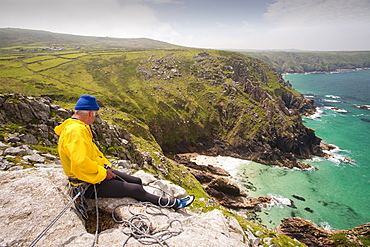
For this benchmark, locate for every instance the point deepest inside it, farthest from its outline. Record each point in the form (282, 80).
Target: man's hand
(110, 175)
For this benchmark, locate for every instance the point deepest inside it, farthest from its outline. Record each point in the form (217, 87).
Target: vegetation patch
(47, 64)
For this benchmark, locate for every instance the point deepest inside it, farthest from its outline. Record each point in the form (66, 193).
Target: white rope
(139, 226)
(97, 217)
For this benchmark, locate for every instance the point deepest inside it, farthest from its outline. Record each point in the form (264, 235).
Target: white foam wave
(331, 100)
(317, 114)
(326, 226)
(316, 159)
(231, 164)
(277, 201)
(363, 106)
(332, 96)
(336, 157)
(336, 109)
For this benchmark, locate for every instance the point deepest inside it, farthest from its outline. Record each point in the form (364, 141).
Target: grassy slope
(176, 109)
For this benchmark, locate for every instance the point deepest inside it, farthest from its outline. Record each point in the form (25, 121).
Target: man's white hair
(84, 112)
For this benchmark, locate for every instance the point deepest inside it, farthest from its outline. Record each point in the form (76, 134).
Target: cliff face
(237, 107)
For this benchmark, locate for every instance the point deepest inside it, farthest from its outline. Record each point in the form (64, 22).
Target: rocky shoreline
(327, 72)
(218, 183)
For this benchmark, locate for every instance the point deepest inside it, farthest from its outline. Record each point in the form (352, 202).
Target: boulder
(29, 139)
(32, 198)
(3, 146)
(34, 158)
(305, 231)
(146, 178)
(15, 151)
(220, 187)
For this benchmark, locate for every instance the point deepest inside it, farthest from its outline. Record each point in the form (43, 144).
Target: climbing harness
(140, 227)
(80, 203)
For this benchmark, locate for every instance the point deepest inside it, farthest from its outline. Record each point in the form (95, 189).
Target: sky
(318, 25)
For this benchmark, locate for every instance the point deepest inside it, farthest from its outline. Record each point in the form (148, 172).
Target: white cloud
(301, 24)
(318, 12)
(114, 18)
(150, 1)
(319, 24)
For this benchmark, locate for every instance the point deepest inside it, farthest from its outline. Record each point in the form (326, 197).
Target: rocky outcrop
(230, 195)
(303, 105)
(306, 232)
(217, 183)
(32, 198)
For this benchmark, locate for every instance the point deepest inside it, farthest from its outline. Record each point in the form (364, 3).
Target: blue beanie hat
(87, 102)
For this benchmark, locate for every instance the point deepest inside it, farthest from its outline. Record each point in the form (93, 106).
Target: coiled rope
(140, 227)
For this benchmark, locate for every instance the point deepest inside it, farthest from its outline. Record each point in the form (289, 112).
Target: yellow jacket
(80, 157)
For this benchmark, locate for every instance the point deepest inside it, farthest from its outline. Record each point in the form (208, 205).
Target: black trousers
(130, 187)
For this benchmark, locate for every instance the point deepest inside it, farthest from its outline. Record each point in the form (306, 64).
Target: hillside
(211, 102)
(33, 39)
(309, 62)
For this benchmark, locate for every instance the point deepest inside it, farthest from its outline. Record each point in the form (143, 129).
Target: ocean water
(337, 195)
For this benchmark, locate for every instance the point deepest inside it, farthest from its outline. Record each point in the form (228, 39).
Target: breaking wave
(326, 226)
(277, 201)
(332, 96)
(317, 114)
(336, 109)
(337, 157)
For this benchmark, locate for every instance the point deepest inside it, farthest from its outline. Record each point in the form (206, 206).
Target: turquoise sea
(337, 195)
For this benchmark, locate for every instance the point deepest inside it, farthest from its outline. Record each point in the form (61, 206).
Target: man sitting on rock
(83, 162)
